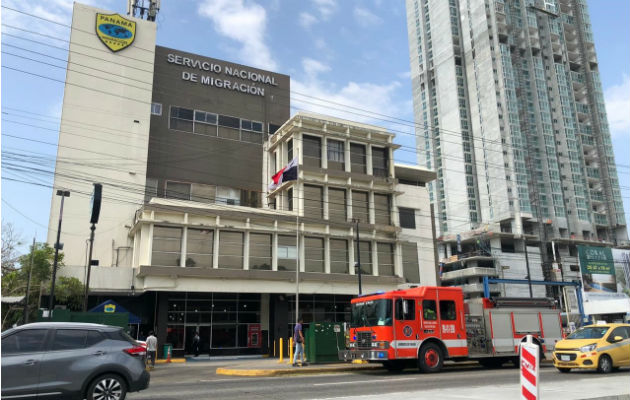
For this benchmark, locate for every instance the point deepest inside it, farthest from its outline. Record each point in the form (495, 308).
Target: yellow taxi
(603, 347)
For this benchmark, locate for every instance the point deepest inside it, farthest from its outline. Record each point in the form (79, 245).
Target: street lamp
(51, 300)
(357, 265)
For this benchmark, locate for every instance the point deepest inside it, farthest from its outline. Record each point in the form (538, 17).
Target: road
(198, 381)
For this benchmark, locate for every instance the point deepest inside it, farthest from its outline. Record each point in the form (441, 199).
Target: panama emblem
(407, 331)
(115, 32)
(109, 308)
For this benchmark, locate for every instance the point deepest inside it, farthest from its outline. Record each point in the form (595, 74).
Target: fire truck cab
(426, 325)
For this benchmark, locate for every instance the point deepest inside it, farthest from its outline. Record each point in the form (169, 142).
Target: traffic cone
(168, 355)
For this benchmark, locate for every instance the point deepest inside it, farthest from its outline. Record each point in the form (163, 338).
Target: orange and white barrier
(530, 363)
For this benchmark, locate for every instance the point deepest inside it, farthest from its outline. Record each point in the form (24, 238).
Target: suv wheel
(107, 387)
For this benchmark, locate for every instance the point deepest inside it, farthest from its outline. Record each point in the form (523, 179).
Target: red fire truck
(427, 325)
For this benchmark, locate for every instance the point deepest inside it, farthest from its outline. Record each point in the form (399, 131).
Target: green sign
(596, 260)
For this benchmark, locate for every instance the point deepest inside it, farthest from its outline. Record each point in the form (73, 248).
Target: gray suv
(65, 360)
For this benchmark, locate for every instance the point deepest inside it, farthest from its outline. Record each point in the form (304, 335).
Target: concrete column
(374, 258)
(346, 156)
(325, 199)
(274, 247)
(215, 249)
(351, 246)
(372, 216)
(349, 204)
(368, 160)
(398, 264)
(324, 153)
(302, 253)
(327, 255)
(146, 244)
(184, 249)
(246, 250)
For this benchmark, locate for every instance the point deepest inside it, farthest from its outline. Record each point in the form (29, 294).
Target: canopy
(110, 306)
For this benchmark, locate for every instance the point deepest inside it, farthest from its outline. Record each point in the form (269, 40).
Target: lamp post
(357, 265)
(96, 210)
(51, 300)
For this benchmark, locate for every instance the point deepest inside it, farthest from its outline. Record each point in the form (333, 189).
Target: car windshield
(372, 313)
(590, 332)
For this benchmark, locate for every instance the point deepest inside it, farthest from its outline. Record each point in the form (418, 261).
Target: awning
(12, 299)
(110, 306)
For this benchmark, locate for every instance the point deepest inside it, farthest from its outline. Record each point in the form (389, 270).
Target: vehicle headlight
(588, 348)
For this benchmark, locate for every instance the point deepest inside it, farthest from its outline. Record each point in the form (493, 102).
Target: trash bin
(323, 342)
(168, 348)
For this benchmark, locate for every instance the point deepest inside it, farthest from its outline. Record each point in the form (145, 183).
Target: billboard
(598, 269)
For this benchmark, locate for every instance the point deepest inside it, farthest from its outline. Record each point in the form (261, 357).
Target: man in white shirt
(151, 348)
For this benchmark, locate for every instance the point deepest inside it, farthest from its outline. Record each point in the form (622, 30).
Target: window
(252, 131)
(312, 151)
(382, 209)
(429, 310)
(338, 256)
(379, 162)
(401, 315)
(205, 123)
(622, 331)
(360, 206)
(447, 310)
(203, 193)
(177, 190)
(69, 339)
(151, 189)
(335, 154)
(227, 195)
(287, 253)
(156, 109)
(231, 250)
(181, 119)
(273, 128)
(229, 122)
(259, 251)
(365, 250)
(167, 245)
(290, 199)
(385, 259)
(290, 150)
(26, 341)
(314, 254)
(357, 158)
(337, 205)
(199, 245)
(313, 201)
(94, 337)
(411, 270)
(407, 218)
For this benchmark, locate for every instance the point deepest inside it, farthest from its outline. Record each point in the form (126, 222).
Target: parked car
(603, 347)
(50, 360)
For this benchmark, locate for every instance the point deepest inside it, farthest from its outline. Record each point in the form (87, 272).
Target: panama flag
(288, 173)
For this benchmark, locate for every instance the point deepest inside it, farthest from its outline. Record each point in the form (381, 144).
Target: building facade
(510, 114)
(190, 238)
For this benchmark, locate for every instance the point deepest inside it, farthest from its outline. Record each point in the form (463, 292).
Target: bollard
(280, 349)
(530, 362)
(290, 351)
(274, 348)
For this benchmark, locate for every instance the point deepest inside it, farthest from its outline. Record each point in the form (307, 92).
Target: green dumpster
(168, 348)
(323, 340)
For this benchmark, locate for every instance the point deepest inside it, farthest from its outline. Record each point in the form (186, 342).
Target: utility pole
(28, 285)
(89, 268)
(51, 300)
(357, 265)
(97, 194)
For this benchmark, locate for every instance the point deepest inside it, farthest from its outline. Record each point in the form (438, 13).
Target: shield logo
(109, 308)
(115, 32)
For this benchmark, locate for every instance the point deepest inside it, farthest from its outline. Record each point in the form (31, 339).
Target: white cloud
(246, 24)
(617, 99)
(325, 7)
(320, 44)
(306, 20)
(365, 17)
(356, 101)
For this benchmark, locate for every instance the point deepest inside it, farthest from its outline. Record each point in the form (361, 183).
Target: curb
(173, 360)
(292, 371)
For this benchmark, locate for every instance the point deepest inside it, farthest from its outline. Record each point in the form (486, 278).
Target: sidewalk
(271, 367)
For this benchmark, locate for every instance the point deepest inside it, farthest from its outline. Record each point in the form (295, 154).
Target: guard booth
(323, 342)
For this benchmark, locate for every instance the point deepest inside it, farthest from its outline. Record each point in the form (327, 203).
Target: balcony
(476, 288)
(600, 219)
(466, 273)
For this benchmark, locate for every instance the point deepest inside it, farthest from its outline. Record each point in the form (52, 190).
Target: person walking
(196, 344)
(298, 338)
(151, 348)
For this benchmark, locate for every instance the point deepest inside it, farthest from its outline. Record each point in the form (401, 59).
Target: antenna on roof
(138, 9)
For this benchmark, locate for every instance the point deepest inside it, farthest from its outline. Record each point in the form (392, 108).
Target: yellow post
(290, 351)
(280, 347)
(274, 348)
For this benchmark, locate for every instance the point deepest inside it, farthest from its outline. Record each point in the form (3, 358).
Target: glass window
(379, 162)
(175, 336)
(290, 199)
(411, 270)
(26, 341)
(372, 313)
(357, 158)
(259, 251)
(151, 189)
(251, 137)
(203, 193)
(313, 201)
(94, 337)
(287, 253)
(257, 126)
(231, 250)
(199, 246)
(273, 128)
(312, 151)
(205, 123)
(382, 209)
(360, 206)
(385, 259)
(335, 154)
(429, 310)
(181, 119)
(290, 150)
(227, 195)
(339, 256)
(156, 109)
(230, 122)
(410, 313)
(365, 250)
(407, 218)
(447, 310)
(177, 190)
(245, 124)
(314, 254)
(167, 245)
(69, 339)
(619, 331)
(223, 336)
(337, 205)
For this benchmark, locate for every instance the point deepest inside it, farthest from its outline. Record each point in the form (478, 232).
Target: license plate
(565, 358)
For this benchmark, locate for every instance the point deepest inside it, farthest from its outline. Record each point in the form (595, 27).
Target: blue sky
(349, 53)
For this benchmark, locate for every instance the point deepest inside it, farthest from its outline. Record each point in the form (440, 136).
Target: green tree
(69, 291)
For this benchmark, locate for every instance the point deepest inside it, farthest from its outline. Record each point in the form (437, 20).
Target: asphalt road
(198, 381)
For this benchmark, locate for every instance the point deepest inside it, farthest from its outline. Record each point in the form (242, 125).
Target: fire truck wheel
(394, 366)
(430, 358)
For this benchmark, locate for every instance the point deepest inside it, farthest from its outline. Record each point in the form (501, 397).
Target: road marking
(370, 381)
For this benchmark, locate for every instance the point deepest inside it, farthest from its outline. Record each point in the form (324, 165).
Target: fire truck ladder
(578, 292)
